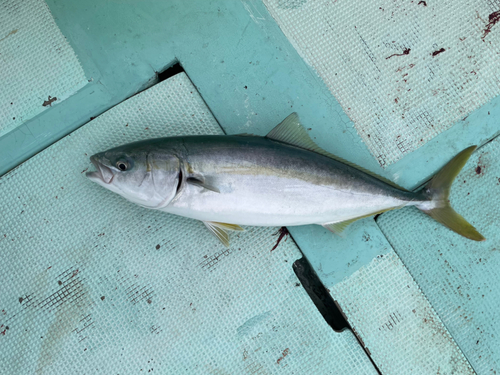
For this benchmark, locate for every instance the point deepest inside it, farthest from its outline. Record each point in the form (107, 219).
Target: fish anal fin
(292, 132)
(219, 230)
(339, 227)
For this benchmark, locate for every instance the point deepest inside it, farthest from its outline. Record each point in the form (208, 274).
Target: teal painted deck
(249, 76)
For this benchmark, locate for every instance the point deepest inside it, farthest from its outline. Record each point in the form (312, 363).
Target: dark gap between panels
(319, 295)
(324, 301)
(170, 72)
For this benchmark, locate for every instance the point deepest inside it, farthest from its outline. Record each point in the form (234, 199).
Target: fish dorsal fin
(291, 132)
(219, 230)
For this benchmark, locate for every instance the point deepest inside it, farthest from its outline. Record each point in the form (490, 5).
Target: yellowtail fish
(282, 179)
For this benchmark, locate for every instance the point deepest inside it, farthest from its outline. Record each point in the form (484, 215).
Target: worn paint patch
(68, 313)
(252, 324)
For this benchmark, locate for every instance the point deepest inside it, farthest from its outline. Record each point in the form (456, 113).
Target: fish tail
(436, 193)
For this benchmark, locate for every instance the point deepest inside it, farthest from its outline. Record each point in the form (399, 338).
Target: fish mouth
(103, 174)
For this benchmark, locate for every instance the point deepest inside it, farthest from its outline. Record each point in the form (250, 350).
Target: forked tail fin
(437, 191)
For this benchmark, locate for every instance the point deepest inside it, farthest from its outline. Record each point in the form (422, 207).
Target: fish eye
(122, 165)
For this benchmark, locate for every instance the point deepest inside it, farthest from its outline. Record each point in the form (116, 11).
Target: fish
(283, 179)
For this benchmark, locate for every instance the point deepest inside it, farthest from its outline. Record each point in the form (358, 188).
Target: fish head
(149, 178)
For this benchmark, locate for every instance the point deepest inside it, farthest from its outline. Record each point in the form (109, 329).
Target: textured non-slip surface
(460, 277)
(93, 284)
(403, 71)
(396, 322)
(37, 62)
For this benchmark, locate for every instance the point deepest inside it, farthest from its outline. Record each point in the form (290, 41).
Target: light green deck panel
(401, 73)
(381, 300)
(94, 284)
(36, 60)
(400, 329)
(460, 277)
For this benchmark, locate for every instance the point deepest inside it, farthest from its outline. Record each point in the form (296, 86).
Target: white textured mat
(36, 62)
(404, 71)
(396, 322)
(91, 283)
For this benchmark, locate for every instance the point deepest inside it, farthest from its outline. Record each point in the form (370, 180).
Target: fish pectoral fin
(292, 132)
(197, 182)
(219, 230)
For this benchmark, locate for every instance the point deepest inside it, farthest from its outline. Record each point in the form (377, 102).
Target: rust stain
(283, 355)
(481, 168)
(282, 232)
(405, 52)
(493, 18)
(435, 53)
(9, 34)
(48, 103)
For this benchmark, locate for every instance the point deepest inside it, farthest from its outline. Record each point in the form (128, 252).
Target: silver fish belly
(266, 183)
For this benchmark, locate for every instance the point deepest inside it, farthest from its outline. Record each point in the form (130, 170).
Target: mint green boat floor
(94, 284)
(251, 77)
(39, 67)
(459, 277)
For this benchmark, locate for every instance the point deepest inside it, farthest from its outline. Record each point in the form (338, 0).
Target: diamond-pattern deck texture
(459, 277)
(403, 71)
(91, 283)
(395, 321)
(37, 62)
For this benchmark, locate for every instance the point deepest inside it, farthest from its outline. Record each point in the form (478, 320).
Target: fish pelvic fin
(219, 230)
(437, 191)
